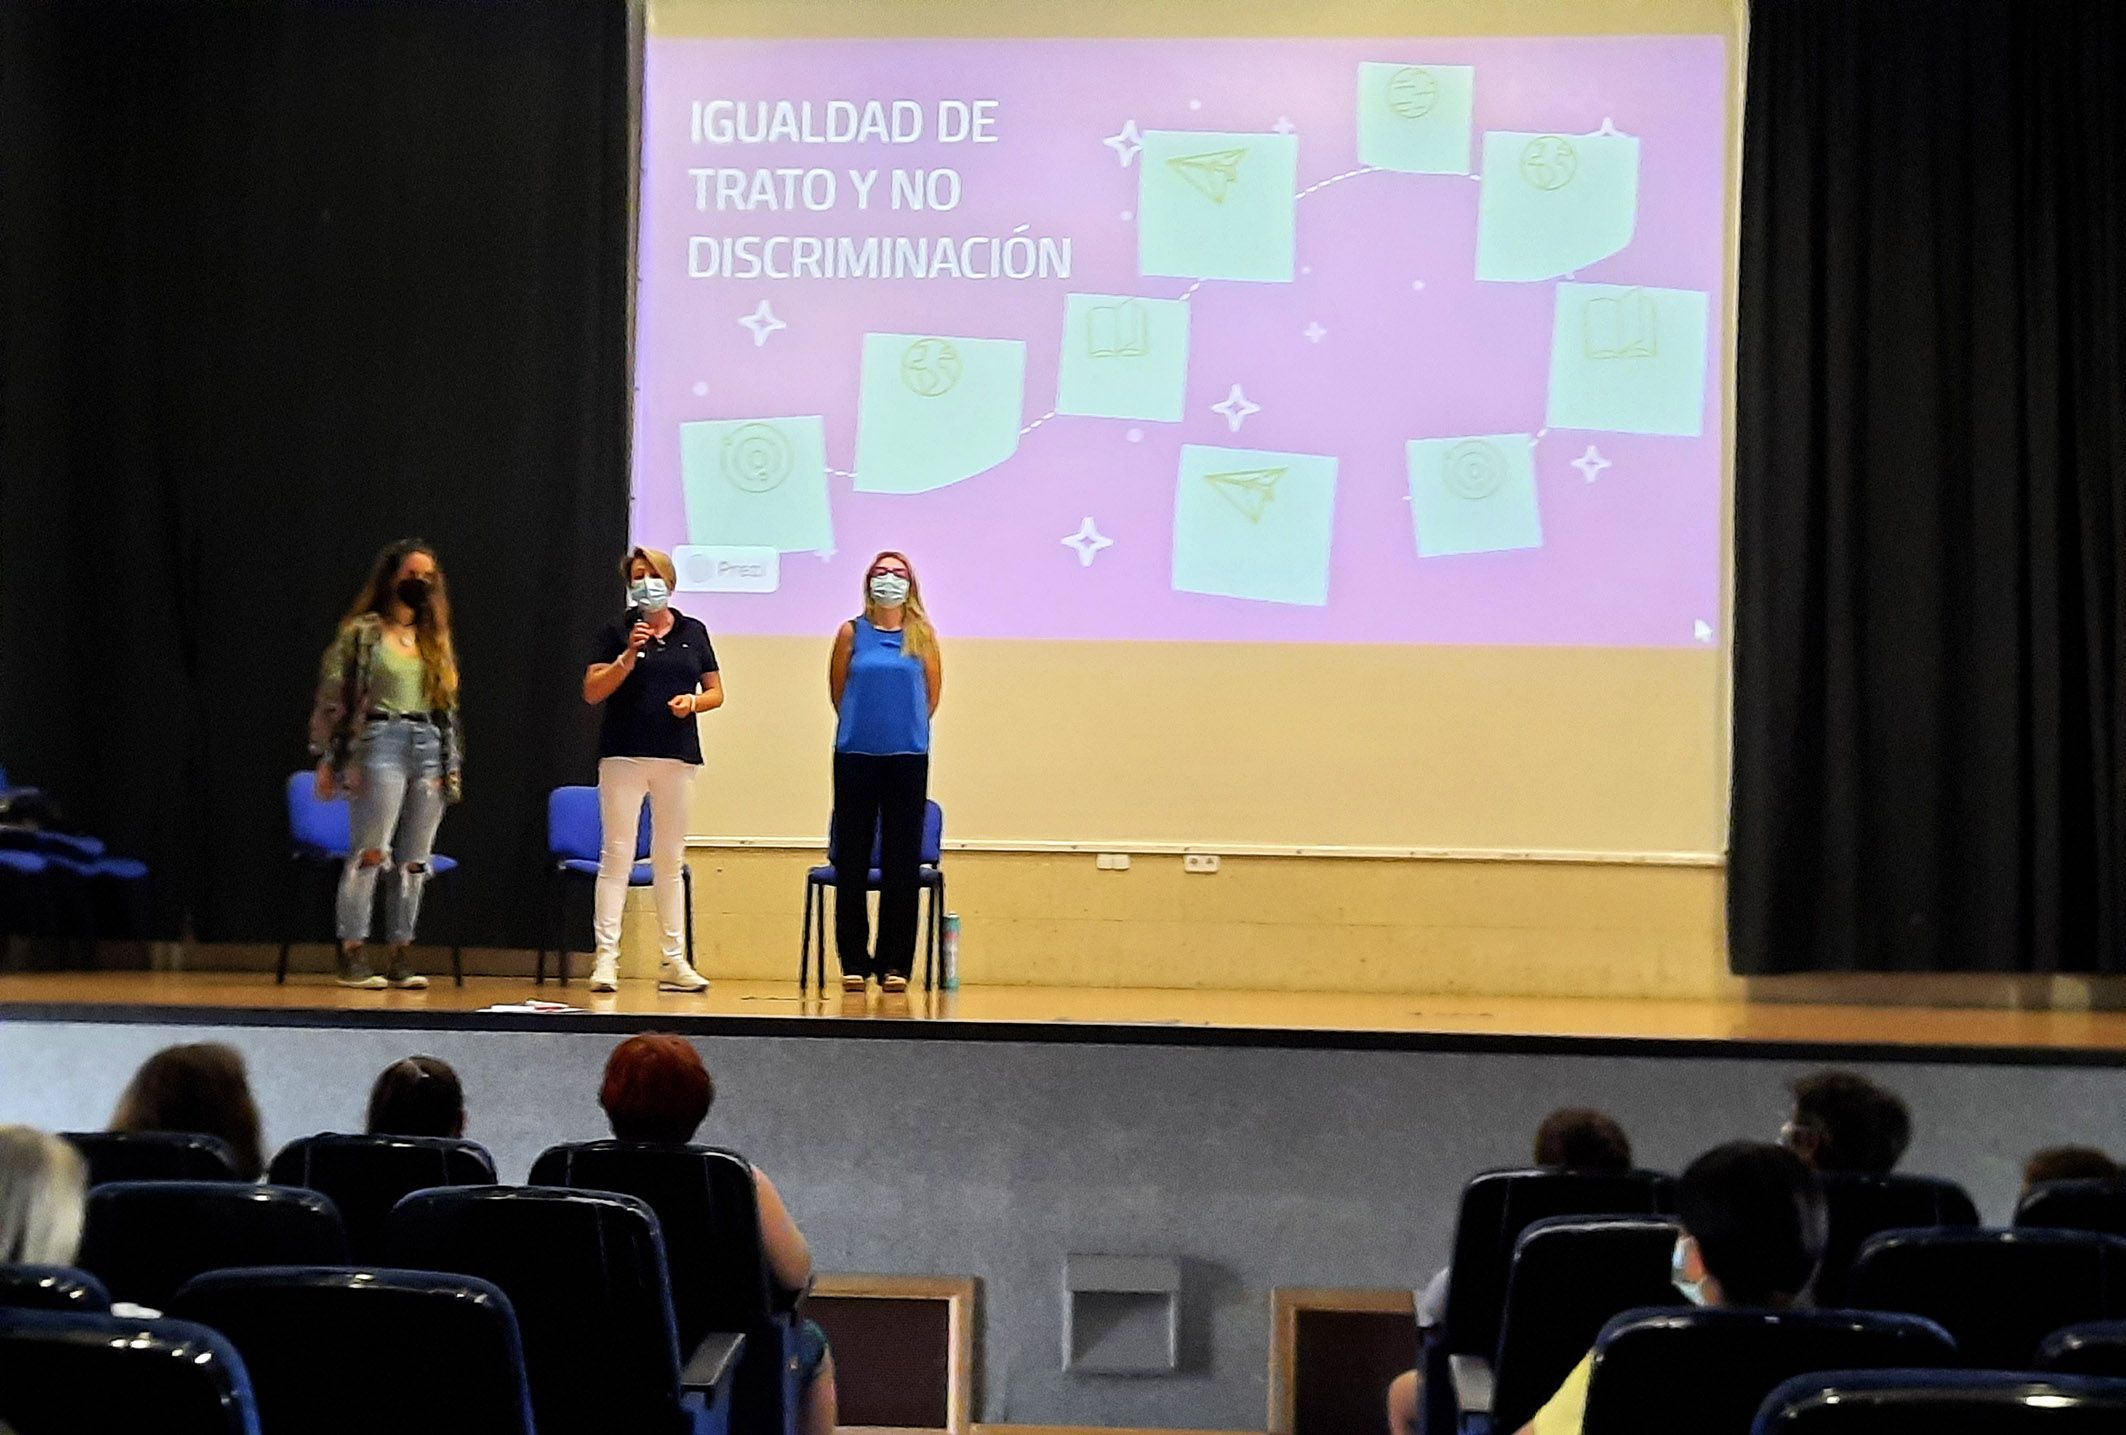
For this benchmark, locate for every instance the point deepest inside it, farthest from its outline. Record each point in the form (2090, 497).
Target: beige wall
(1320, 924)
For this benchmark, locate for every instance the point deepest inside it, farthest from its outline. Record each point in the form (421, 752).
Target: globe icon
(930, 366)
(1412, 92)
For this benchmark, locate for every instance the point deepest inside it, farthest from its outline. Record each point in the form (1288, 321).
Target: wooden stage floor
(1131, 1015)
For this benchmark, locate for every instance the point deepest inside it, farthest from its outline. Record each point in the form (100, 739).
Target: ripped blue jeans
(394, 808)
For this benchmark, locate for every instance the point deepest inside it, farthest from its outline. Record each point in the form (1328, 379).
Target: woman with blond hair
(655, 672)
(885, 677)
(385, 732)
(44, 1186)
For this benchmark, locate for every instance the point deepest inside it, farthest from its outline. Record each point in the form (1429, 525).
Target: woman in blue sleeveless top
(884, 677)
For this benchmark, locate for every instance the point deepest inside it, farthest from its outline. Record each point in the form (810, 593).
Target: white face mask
(889, 590)
(1678, 1263)
(649, 594)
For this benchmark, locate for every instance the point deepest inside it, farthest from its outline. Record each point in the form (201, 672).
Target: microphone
(634, 616)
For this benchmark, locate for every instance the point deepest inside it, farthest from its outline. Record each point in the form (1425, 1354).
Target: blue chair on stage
(321, 833)
(65, 884)
(63, 1372)
(931, 876)
(575, 835)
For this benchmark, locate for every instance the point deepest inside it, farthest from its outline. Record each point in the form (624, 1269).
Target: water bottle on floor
(949, 949)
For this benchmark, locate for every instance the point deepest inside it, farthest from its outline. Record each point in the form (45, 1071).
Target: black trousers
(886, 796)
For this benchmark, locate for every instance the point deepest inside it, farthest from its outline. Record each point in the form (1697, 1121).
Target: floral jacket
(345, 682)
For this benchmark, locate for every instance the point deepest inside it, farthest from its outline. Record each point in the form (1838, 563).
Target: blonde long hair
(44, 1187)
(918, 638)
(431, 625)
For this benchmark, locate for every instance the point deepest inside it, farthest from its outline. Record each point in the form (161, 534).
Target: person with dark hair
(199, 1088)
(1753, 1231)
(1846, 1123)
(1577, 1138)
(656, 1090)
(385, 731)
(2068, 1163)
(417, 1096)
(1571, 1138)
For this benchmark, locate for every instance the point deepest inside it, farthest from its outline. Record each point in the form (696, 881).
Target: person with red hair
(657, 1091)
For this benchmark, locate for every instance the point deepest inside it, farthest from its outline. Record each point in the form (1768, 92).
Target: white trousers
(622, 784)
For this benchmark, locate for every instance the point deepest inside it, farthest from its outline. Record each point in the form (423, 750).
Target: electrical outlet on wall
(1113, 862)
(1200, 862)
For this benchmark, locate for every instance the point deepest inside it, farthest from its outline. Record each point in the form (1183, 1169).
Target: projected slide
(1360, 341)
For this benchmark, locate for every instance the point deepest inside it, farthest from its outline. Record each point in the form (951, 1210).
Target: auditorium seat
(2000, 1293)
(319, 833)
(2075, 1206)
(709, 1213)
(348, 1351)
(1943, 1402)
(820, 880)
(66, 1373)
(586, 1273)
(366, 1175)
(2094, 1347)
(51, 1288)
(1705, 1372)
(1497, 1206)
(1570, 1276)
(153, 1156)
(575, 837)
(145, 1239)
(1862, 1206)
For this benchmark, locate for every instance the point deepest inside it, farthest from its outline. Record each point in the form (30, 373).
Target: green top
(400, 684)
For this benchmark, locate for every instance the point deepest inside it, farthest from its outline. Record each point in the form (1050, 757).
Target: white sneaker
(677, 974)
(605, 974)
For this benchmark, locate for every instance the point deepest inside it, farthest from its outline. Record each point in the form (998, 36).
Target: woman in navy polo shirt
(655, 671)
(885, 678)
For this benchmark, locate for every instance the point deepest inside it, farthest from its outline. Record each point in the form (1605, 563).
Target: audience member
(1572, 1138)
(1845, 1123)
(657, 1090)
(1753, 1230)
(2068, 1163)
(417, 1096)
(44, 1187)
(200, 1088)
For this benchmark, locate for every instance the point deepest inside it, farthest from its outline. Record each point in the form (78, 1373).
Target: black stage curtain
(283, 282)
(1930, 526)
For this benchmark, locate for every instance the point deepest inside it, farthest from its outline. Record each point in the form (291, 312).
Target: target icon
(1549, 162)
(756, 457)
(1474, 469)
(930, 367)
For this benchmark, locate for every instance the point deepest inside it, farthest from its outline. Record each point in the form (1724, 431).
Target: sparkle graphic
(1125, 143)
(701, 390)
(1235, 408)
(761, 323)
(1284, 125)
(1591, 463)
(1088, 541)
(1314, 333)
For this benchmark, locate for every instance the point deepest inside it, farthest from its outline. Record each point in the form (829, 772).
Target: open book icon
(1621, 326)
(1212, 173)
(1120, 330)
(1248, 490)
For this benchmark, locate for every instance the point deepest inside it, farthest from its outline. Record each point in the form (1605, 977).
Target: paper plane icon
(1212, 173)
(1702, 631)
(1249, 489)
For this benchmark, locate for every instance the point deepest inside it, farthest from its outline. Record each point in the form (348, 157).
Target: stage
(1126, 1016)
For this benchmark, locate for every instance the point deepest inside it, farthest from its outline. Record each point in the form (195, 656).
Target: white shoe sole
(598, 986)
(698, 984)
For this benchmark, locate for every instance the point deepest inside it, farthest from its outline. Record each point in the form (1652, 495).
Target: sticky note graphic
(1628, 360)
(1249, 523)
(756, 483)
(1474, 494)
(935, 410)
(1554, 203)
(1415, 118)
(1215, 205)
(1123, 357)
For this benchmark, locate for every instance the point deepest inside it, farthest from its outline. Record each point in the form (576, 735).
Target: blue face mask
(889, 590)
(649, 594)
(1693, 1291)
